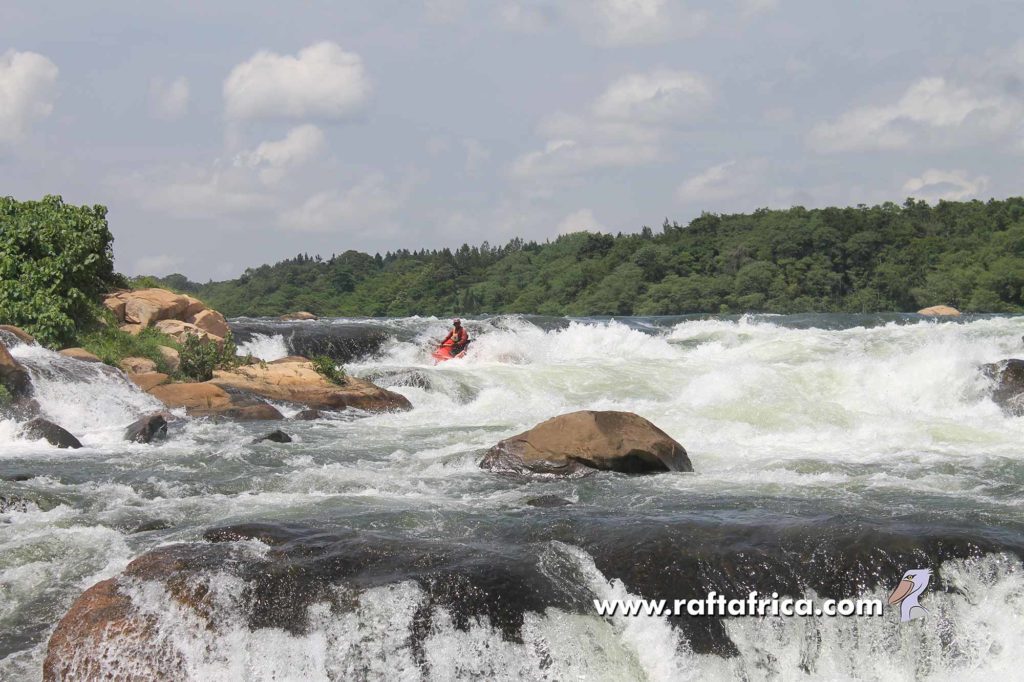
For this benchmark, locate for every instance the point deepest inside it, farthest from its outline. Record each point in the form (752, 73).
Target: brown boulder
(171, 357)
(13, 376)
(210, 321)
(939, 311)
(148, 380)
(116, 305)
(194, 307)
(1008, 384)
(79, 354)
(54, 434)
(298, 382)
(133, 329)
(208, 400)
(147, 306)
(179, 331)
(300, 315)
(18, 333)
(135, 365)
(578, 442)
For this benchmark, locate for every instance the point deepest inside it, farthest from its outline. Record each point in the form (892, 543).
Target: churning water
(831, 453)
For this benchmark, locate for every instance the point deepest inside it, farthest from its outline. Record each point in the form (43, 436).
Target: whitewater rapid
(843, 431)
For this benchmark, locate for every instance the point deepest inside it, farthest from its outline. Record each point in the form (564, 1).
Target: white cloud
(321, 81)
(159, 265)
(27, 89)
(476, 155)
(579, 221)
(725, 182)
(195, 191)
(751, 8)
(274, 159)
(935, 185)
(624, 127)
(368, 207)
(168, 101)
(608, 23)
(931, 110)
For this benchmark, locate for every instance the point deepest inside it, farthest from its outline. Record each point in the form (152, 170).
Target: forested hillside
(879, 258)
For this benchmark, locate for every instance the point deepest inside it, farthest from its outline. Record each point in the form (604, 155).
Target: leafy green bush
(111, 345)
(200, 358)
(326, 368)
(55, 261)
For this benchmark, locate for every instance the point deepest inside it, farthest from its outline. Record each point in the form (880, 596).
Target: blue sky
(223, 135)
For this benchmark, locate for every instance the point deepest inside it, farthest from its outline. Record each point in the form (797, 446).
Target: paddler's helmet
(457, 322)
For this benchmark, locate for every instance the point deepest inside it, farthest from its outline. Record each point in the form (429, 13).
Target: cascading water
(831, 453)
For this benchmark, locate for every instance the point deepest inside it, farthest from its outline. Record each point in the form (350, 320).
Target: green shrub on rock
(200, 358)
(326, 368)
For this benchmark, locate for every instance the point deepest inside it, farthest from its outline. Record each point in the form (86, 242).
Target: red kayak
(445, 353)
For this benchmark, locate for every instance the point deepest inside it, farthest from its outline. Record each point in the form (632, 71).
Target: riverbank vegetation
(863, 259)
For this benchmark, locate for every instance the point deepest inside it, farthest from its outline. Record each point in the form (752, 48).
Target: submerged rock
(18, 334)
(1008, 390)
(277, 436)
(208, 400)
(298, 382)
(56, 435)
(147, 429)
(579, 442)
(308, 415)
(548, 501)
(149, 526)
(13, 376)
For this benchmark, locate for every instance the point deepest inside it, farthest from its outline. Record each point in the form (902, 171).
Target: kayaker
(458, 336)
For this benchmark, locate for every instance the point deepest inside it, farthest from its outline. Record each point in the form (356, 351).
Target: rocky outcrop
(58, 436)
(13, 376)
(147, 429)
(171, 357)
(17, 333)
(579, 442)
(307, 415)
(179, 331)
(148, 380)
(79, 354)
(208, 400)
(298, 382)
(134, 365)
(300, 315)
(276, 436)
(1008, 384)
(211, 322)
(939, 311)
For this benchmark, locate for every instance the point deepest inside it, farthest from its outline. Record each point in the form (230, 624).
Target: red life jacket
(459, 335)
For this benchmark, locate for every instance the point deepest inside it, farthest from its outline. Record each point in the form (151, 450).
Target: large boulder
(148, 380)
(210, 321)
(147, 429)
(79, 354)
(300, 315)
(146, 306)
(179, 331)
(298, 382)
(939, 311)
(578, 442)
(116, 305)
(17, 333)
(208, 400)
(172, 358)
(40, 428)
(134, 365)
(1008, 384)
(13, 376)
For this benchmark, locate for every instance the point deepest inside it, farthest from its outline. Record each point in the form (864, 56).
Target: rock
(206, 400)
(1008, 388)
(13, 376)
(149, 380)
(194, 307)
(147, 429)
(288, 360)
(79, 354)
(9, 503)
(21, 409)
(277, 436)
(939, 310)
(548, 501)
(116, 306)
(298, 382)
(134, 365)
(149, 526)
(210, 321)
(146, 306)
(300, 315)
(171, 357)
(307, 415)
(577, 442)
(179, 331)
(40, 428)
(17, 333)
(133, 329)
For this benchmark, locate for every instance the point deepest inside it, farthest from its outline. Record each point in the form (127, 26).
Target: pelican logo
(908, 591)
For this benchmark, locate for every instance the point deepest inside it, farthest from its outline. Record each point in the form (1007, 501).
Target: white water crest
(265, 347)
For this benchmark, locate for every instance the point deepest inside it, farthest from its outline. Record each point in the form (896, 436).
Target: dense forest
(879, 258)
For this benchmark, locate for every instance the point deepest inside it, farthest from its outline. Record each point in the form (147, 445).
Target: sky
(225, 135)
